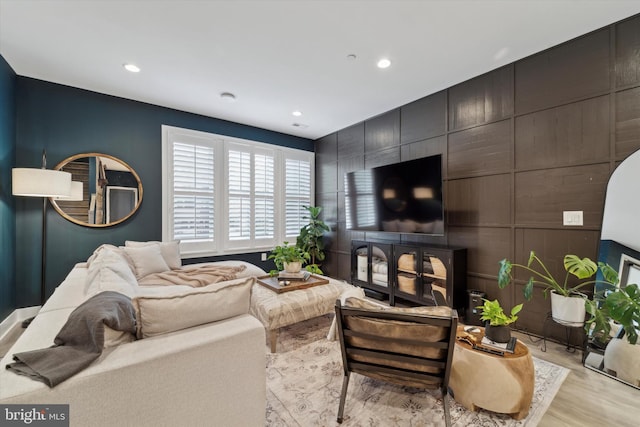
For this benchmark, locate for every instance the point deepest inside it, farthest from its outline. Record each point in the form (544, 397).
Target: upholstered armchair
(405, 346)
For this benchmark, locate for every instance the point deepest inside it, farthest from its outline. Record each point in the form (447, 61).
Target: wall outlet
(263, 256)
(572, 218)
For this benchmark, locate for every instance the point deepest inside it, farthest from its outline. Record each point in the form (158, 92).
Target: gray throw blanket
(80, 341)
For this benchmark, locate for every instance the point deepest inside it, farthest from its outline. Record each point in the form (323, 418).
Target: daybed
(212, 373)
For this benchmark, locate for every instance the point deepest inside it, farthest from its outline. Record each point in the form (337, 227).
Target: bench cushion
(276, 310)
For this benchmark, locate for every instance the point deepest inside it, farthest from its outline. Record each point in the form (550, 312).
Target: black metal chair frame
(382, 358)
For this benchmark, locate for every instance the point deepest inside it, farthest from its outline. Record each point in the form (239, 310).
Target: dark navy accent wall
(66, 121)
(7, 217)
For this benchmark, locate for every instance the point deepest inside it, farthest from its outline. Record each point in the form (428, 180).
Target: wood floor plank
(586, 398)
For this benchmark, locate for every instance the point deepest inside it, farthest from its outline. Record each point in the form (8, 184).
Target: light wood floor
(586, 398)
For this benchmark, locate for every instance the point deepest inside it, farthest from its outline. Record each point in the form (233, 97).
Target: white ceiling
(280, 56)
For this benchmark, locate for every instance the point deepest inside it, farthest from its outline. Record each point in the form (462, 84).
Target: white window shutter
(297, 194)
(193, 190)
(239, 194)
(264, 202)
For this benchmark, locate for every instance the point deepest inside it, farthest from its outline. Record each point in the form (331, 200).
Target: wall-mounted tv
(403, 197)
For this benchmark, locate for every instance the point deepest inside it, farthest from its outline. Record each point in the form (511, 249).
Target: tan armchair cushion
(388, 335)
(422, 310)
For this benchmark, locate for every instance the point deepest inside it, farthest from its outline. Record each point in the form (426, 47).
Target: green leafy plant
(495, 315)
(581, 268)
(314, 269)
(288, 253)
(310, 238)
(622, 305)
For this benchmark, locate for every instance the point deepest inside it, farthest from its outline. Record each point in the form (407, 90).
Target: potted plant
(497, 322)
(289, 258)
(567, 302)
(618, 306)
(310, 238)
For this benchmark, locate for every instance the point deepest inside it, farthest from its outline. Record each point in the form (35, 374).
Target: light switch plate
(572, 218)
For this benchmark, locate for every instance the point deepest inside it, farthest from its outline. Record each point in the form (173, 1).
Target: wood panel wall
(520, 145)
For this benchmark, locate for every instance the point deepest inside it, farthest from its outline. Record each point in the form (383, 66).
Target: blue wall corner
(7, 216)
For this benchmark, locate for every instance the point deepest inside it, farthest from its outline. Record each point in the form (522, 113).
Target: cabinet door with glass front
(421, 274)
(370, 265)
(434, 277)
(408, 268)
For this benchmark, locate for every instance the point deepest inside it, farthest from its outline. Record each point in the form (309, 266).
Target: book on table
(299, 276)
(496, 347)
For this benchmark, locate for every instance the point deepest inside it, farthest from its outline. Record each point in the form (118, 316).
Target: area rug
(304, 380)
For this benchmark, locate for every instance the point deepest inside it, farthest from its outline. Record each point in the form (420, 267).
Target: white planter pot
(568, 311)
(622, 360)
(292, 267)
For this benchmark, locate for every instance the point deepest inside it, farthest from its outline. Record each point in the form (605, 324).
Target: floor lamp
(44, 183)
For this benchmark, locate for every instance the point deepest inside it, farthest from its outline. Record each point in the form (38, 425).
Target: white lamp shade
(76, 193)
(31, 182)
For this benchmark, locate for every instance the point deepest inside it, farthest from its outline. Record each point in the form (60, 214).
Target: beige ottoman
(276, 310)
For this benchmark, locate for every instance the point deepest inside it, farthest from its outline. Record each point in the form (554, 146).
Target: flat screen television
(403, 197)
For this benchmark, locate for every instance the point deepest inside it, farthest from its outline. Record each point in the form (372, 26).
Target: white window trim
(221, 244)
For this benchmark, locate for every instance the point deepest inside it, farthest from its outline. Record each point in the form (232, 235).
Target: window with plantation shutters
(251, 193)
(224, 195)
(264, 196)
(193, 193)
(297, 193)
(239, 190)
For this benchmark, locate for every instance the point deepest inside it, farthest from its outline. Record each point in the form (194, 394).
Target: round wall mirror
(105, 190)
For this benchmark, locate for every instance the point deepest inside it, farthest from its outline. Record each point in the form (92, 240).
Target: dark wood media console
(411, 273)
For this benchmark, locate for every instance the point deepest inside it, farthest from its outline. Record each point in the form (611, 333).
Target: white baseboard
(16, 317)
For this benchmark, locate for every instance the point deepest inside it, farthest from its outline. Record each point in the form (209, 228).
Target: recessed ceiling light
(131, 67)
(351, 57)
(228, 96)
(384, 63)
(297, 113)
(299, 125)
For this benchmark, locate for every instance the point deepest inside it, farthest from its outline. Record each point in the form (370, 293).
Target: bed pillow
(147, 260)
(180, 309)
(97, 251)
(110, 271)
(118, 249)
(170, 251)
